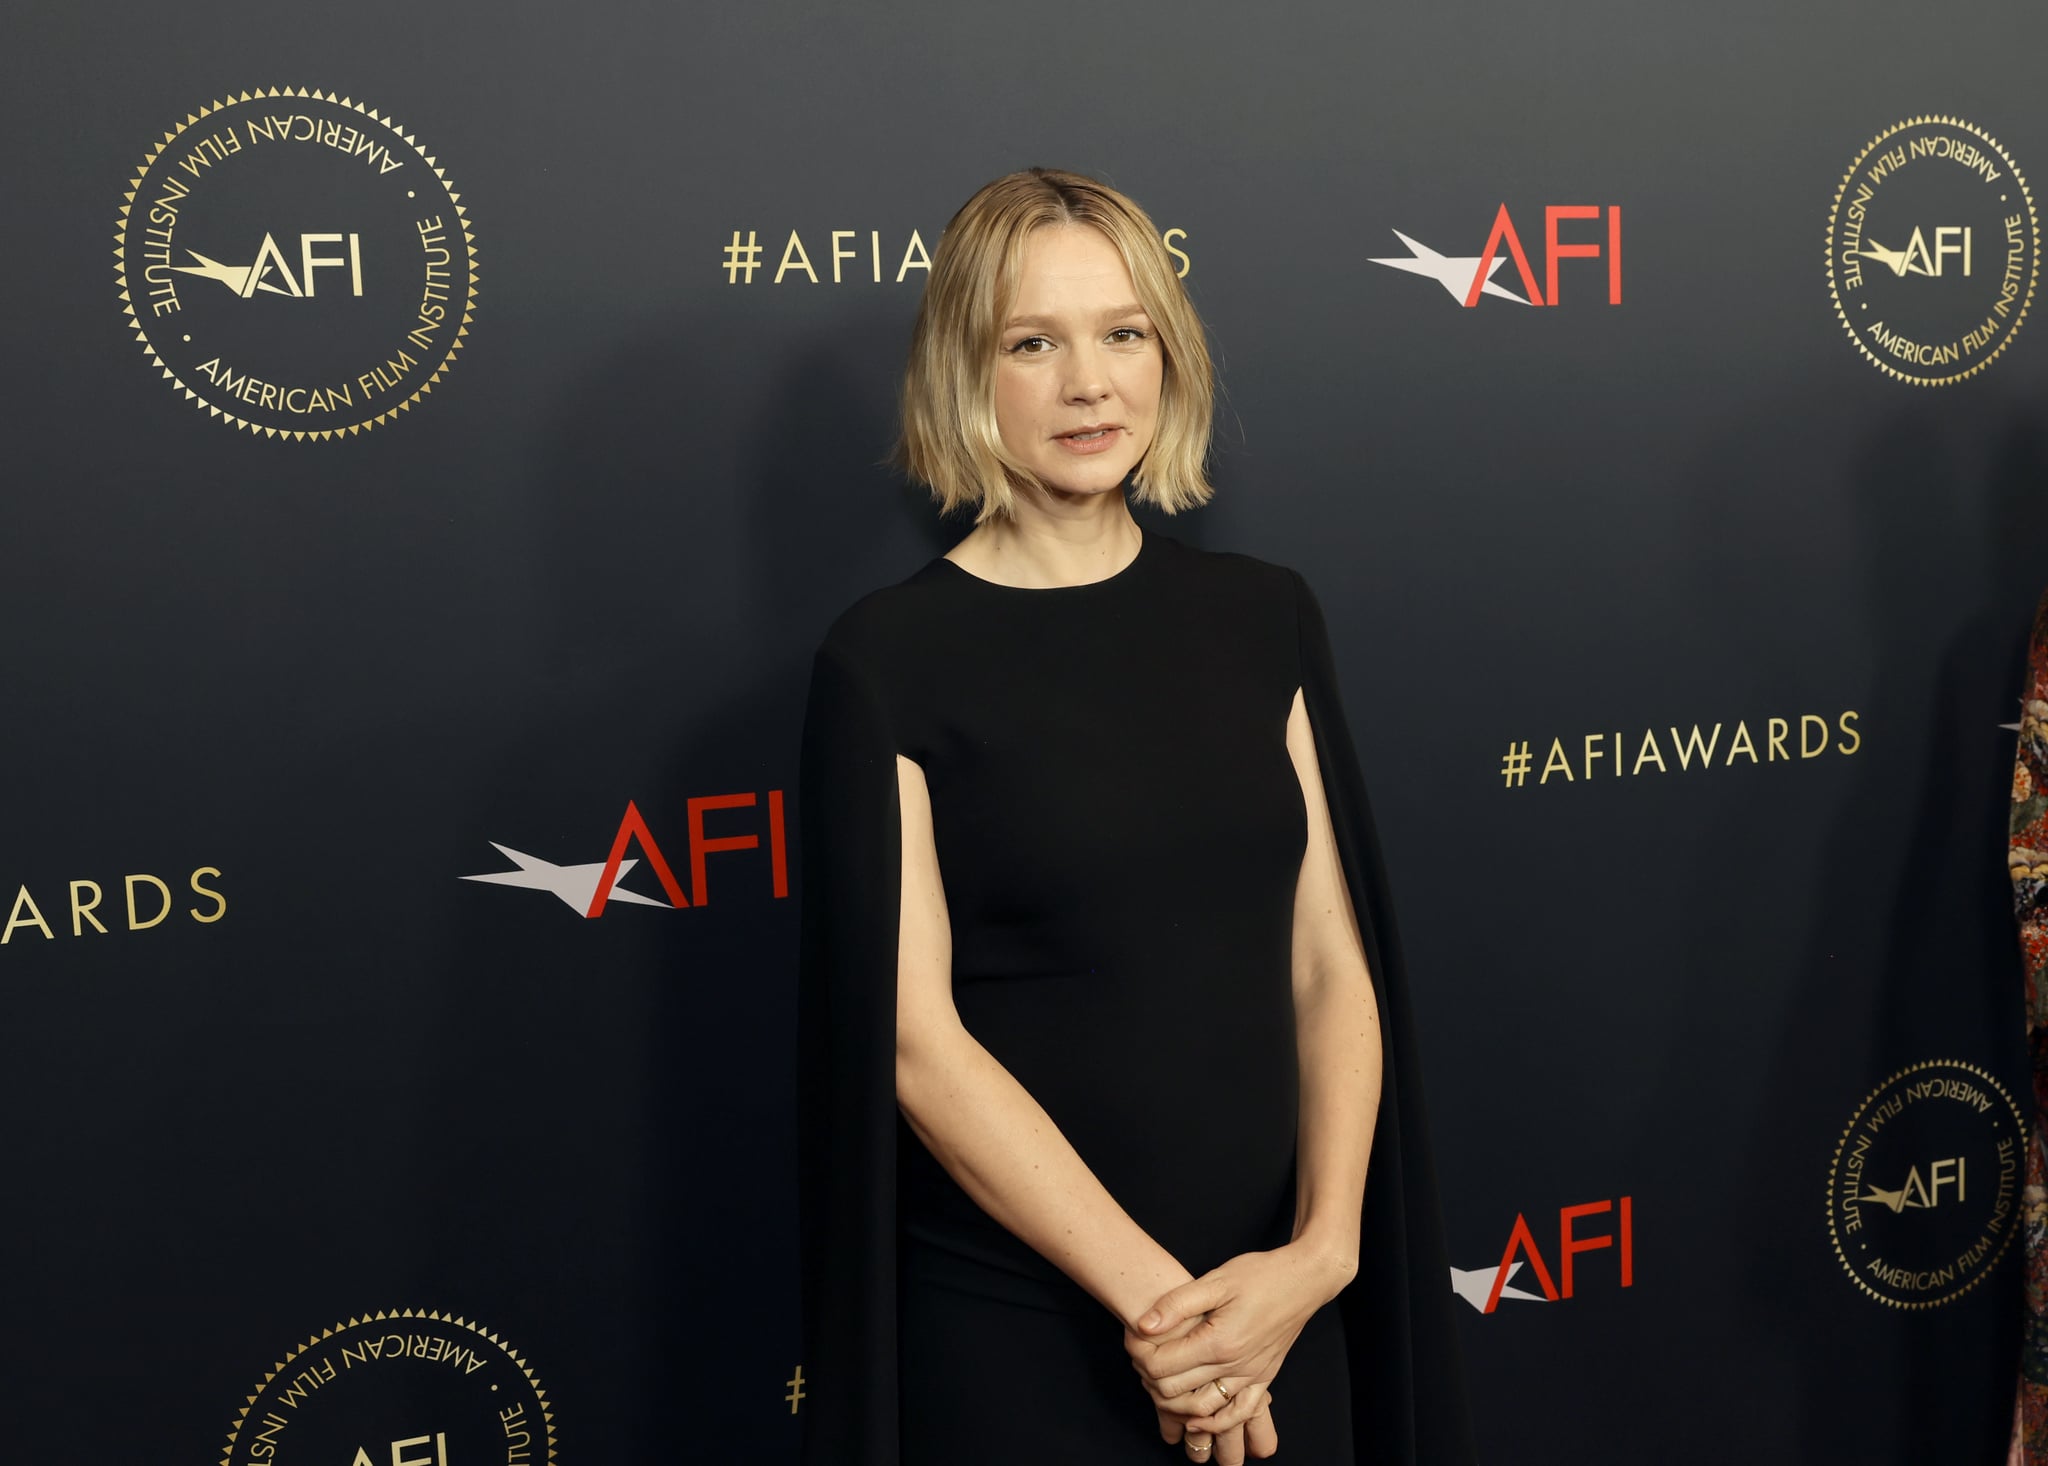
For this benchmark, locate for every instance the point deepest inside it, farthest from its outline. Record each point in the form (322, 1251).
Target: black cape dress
(1119, 830)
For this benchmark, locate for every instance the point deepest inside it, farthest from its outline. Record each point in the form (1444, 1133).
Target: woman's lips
(1089, 440)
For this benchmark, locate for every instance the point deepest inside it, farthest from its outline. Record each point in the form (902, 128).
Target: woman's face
(1079, 365)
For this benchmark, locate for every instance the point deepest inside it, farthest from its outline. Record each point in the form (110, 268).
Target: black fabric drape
(851, 868)
(1408, 1382)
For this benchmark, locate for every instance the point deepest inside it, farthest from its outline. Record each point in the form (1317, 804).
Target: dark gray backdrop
(591, 566)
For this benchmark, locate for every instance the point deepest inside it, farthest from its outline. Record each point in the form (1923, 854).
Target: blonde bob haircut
(950, 441)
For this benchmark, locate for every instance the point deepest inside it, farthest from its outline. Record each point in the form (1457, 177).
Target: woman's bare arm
(1337, 1029)
(985, 1129)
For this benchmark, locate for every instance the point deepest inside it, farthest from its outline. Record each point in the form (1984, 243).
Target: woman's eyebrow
(1121, 310)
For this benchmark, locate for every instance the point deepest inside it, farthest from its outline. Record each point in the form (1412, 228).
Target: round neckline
(1145, 539)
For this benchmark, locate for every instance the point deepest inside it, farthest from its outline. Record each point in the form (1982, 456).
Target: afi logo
(1951, 241)
(1483, 1288)
(1917, 1194)
(246, 280)
(437, 1457)
(1467, 277)
(587, 889)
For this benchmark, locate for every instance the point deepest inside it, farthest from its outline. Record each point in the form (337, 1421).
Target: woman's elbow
(923, 1043)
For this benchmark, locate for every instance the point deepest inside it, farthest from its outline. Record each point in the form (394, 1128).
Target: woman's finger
(1170, 1429)
(1138, 1346)
(1204, 1345)
(1230, 1448)
(1190, 1300)
(1211, 1398)
(1261, 1436)
(1247, 1399)
(1200, 1447)
(1188, 1380)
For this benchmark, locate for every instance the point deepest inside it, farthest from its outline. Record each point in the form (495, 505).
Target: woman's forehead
(1069, 265)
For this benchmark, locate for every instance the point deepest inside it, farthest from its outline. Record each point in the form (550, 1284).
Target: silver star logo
(1454, 272)
(1473, 1284)
(575, 885)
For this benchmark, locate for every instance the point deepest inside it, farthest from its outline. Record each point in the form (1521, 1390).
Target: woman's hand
(1246, 1316)
(1228, 1448)
(1257, 1437)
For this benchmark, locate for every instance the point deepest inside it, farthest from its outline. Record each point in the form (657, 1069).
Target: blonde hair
(950, 441)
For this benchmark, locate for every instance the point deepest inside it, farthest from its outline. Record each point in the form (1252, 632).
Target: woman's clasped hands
(1209, 1350)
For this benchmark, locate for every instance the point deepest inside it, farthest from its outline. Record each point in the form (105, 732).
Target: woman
(1088, 1020)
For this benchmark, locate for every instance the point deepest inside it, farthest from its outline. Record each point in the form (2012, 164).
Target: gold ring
(1220, 1390)
(1202, 1447)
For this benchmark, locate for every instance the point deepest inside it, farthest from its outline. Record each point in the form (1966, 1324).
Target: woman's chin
(1109, 479)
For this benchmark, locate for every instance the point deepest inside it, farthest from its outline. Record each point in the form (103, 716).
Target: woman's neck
(1040, 547)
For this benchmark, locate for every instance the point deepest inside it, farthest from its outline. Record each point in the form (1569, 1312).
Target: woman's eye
(1126, 335)
(1030, 346)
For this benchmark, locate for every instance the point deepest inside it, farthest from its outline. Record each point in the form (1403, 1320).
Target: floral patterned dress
(2027, 860)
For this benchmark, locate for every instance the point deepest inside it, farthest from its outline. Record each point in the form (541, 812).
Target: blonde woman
(1100, 1008)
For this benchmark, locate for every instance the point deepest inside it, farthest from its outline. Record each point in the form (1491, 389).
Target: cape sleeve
(1408, 1383)
(851, 869)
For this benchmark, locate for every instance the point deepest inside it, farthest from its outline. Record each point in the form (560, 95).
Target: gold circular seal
(296, 264)
(1924, 1187)
(1933, 250)
(401, 1388)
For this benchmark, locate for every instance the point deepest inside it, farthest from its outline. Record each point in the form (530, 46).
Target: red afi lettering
(1504, 229)
(1554, 249)
(1520, 1240)
(702, 846)
(633, 827)
(1570, 1245)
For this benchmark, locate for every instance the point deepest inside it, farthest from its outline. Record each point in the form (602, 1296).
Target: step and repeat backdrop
(437, 436)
